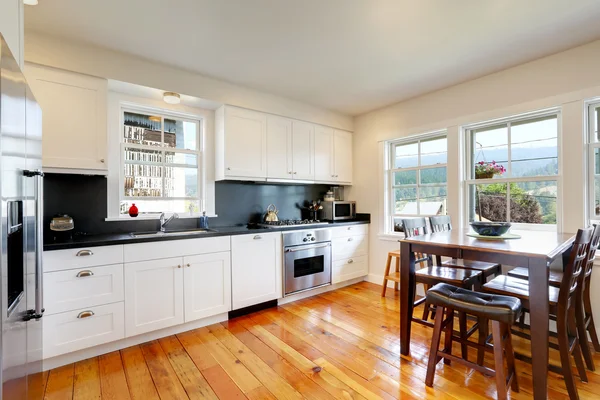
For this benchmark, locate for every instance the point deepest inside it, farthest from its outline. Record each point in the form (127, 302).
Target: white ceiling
(350, 56)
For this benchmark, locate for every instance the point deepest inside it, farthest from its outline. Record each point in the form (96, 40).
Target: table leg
(407, 295)
(538, 299)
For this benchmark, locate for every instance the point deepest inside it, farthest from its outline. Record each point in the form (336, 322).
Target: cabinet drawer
(83, 328)
(77, 288)
(175, 248)
(349, 268)
(351, 246)
(349, 230)
(59, 260)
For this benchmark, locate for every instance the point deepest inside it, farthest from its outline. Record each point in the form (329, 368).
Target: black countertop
(127, 238)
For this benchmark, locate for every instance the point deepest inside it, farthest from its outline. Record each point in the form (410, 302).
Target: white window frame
(468, 180)
(389, 203)
(164, 114)
(592, 145)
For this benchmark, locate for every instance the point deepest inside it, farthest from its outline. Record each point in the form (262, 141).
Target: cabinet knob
(102, 160)
(350, 261)
(290, 172)
(350, 239)
(83, 274)
(85, 314)
(257, 237)
(188, 265)
(84, 253)
(228, 169)
(179, 266)
(295, 173)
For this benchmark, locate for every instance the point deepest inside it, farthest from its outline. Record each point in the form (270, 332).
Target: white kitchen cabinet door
(342, 145)
(11, 24)
(153, 295)
(279, 148)
(303, 139)
(245, 141)
(74, 117)
(324, 168)
(206, 285)
(256, 269)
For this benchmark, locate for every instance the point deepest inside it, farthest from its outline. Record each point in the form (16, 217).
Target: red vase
(133, 211)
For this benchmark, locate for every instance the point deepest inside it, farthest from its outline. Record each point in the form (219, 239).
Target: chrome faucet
(164, 223)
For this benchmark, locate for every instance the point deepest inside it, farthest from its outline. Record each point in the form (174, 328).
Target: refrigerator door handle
(38, 175)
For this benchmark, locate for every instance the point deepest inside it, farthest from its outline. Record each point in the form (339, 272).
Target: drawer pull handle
(188, 265)
(257, 237)
(83, 274)
(350, 239)
(84, 253)
(85, 314)
(179, 266)
(350, 261)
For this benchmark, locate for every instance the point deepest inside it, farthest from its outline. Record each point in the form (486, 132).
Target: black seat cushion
(492, 306)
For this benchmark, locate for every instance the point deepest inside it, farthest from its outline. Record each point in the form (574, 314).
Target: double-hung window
(161, 162)
(512, 171)
(416, 178)
(594, 160)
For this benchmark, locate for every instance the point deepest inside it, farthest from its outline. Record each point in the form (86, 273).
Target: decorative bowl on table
(490, 228)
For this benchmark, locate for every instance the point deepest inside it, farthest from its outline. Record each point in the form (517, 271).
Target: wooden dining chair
(432, 275)
(443, 223)
(562, 303)
(583, 312)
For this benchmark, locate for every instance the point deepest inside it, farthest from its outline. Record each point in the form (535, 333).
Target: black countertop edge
(126, 238)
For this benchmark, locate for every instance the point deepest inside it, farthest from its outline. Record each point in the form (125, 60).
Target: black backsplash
(84, 198)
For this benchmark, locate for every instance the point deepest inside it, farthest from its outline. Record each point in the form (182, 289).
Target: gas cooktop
(290, 222)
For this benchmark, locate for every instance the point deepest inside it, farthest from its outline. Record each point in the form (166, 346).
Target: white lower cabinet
(206, 285)
(349, 252)
(153, 295)
(82, 328)
(256, 269)
(85, 287)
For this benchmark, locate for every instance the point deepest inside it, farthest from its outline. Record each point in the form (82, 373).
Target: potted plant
(487, 170)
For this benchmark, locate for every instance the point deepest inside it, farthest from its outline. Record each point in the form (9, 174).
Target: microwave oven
(338, 210)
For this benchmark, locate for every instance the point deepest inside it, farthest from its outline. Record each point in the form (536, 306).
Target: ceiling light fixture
(171, 98)
(30, 2)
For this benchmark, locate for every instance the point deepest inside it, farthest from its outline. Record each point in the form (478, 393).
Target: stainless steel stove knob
(305, 240)
(313, 239)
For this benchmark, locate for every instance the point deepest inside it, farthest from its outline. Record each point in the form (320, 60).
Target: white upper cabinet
(73, 117)
(256, 265)
(11, 26)
(303, 150)
(257, 146)
(279, 148)
(241, 144)
(324, 168)
(342, 145)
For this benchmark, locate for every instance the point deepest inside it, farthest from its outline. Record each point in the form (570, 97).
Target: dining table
(535, 250)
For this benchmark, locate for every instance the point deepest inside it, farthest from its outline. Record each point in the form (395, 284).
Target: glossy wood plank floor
(338, 345)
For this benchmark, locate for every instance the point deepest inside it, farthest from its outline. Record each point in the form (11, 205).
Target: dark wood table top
(540, 244)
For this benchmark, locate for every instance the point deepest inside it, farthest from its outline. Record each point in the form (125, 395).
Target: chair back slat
(576, 264)
(415, 226)
(440, 223)
(591, 253)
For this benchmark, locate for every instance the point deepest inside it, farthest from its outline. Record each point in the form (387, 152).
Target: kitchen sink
(171, 233)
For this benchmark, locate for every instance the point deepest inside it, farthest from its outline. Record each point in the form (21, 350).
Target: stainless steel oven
(307, 260)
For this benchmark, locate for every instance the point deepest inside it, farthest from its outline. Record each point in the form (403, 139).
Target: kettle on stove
(271, 215)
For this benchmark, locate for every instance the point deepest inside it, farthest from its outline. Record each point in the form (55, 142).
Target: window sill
(390, 237)
(156, 217)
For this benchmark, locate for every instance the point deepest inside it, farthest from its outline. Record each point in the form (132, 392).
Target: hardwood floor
(341, 344)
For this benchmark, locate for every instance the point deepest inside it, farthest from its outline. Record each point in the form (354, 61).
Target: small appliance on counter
(62, 227)
(338, 193)
(329, 196)
(338, 210)
(271, 214)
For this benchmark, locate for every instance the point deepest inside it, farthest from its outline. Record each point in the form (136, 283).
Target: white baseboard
(64, 359)
(320, 290)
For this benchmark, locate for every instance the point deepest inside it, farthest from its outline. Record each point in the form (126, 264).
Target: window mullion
(509, 149)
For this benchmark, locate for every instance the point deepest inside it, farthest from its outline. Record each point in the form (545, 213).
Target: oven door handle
(307, 247)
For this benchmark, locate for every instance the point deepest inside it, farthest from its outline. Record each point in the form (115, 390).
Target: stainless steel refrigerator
(21, 188)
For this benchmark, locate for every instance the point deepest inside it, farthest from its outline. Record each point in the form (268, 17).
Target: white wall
(565, 79)
(122, 67)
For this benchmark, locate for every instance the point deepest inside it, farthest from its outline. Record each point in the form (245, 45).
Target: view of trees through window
(418, 178)
(527, 191)
(594, 127)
